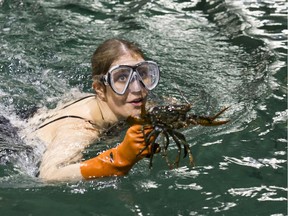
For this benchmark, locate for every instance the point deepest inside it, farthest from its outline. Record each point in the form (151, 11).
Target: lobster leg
(147, 138)
(182, 140)
(165, 147)
(178, 143)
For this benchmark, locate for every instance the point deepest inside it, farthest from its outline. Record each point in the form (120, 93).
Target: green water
(218, 54)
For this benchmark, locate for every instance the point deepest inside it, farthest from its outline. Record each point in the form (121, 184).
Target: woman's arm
(61, 160)
(56, 164)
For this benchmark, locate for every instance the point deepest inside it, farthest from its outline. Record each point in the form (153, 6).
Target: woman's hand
(119, 160)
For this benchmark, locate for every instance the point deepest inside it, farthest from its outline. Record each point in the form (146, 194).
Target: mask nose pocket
(135, 84)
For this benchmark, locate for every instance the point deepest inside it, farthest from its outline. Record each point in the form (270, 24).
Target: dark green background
(218, 54)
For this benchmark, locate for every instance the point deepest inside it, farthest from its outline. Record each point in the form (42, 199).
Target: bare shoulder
(72, 129)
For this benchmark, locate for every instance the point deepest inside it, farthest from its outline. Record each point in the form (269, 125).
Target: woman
(121, 80)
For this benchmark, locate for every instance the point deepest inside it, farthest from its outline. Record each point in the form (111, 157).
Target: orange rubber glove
(119, 160)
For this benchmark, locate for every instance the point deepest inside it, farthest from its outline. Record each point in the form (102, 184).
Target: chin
(135, 112)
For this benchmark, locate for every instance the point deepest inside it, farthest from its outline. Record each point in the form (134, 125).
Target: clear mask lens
(119, 79)
(149, 74)
(122, 76)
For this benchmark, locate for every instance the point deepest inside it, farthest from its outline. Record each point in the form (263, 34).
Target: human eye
(122, 78)
(143, 71)
(121, 75)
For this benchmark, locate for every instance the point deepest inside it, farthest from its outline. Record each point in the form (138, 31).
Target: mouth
(137, 102)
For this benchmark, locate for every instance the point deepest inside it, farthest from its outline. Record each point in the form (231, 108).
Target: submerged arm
(61, 161)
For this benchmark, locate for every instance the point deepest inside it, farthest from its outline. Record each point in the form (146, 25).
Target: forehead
(127, 59)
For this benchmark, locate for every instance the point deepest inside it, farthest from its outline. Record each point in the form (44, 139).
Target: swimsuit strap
(62, 117)
(71, 116)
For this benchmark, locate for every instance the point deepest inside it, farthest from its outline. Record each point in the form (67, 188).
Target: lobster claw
(209, 121)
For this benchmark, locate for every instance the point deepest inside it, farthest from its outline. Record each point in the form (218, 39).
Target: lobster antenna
(181, 93)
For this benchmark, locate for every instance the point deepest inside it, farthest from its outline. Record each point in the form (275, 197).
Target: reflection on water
(268, 193)
(218, 53)
(251, 162)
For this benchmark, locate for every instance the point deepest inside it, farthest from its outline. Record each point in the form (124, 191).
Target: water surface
(218, 54)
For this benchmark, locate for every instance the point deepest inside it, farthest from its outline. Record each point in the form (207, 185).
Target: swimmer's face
(131, 102)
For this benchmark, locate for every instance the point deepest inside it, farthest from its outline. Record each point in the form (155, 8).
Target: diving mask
(120, 77)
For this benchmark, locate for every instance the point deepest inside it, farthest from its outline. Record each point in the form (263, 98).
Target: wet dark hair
(109, 51)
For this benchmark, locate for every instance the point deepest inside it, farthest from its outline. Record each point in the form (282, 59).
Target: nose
(135, 85)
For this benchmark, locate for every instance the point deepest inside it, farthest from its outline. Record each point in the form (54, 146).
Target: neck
(104, 115)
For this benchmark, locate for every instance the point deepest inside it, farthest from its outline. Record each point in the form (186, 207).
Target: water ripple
(251, 162)
(192, 186)
(263, 193)
(232, 54)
